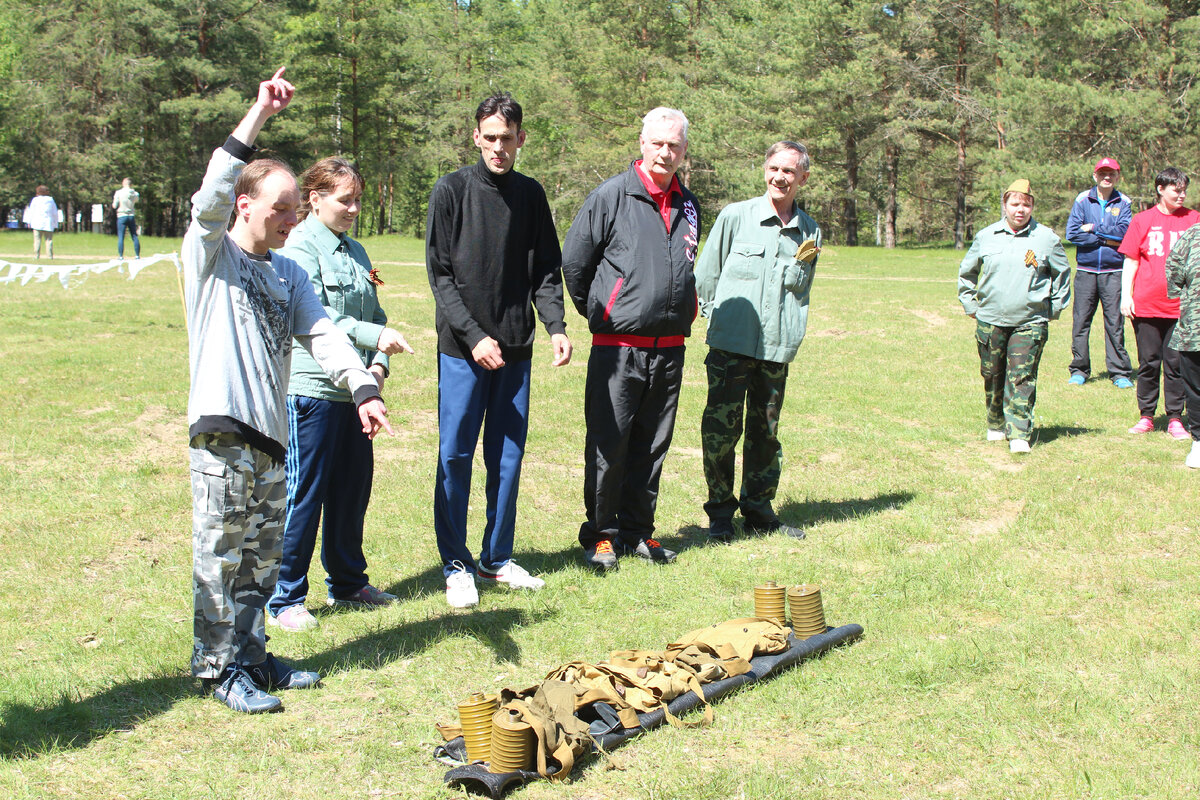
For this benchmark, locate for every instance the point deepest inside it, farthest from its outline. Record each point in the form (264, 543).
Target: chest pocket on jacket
(341, 291)
(745, 261)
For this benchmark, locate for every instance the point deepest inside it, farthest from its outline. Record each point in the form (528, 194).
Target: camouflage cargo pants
(738, 384)
(1008, 362)
(239, 495)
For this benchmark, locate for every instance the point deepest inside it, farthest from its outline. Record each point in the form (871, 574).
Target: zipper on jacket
(670, 261)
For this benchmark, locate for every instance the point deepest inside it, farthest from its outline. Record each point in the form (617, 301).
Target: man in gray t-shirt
(245, 307)
(124, 200)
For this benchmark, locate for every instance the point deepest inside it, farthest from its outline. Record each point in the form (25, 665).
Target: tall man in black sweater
(492, 255)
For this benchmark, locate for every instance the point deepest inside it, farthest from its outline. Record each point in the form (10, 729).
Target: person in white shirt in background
(43, 216)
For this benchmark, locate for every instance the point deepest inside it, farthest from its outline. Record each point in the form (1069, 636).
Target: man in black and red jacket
(627, 265)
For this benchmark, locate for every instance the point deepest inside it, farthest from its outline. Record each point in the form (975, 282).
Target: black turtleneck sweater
(492, 255)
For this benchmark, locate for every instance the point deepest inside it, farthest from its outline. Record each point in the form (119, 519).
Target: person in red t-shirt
(1149, 240)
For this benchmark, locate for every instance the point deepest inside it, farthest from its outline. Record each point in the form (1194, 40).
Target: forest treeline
(916, 113)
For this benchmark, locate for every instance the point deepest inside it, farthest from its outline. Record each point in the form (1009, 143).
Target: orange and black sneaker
(601, 556)
(651, 551)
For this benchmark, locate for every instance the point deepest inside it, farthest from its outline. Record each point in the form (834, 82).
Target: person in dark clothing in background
(627, 265)
(492, 255)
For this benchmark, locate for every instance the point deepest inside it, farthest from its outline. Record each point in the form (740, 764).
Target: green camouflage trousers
(239, 496)
(1008, 362)
(735, 383)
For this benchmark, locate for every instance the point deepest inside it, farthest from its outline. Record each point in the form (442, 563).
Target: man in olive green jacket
(753, 279)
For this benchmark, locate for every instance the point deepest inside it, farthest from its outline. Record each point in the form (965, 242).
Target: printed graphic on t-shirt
(1155, 238)
(271, 316)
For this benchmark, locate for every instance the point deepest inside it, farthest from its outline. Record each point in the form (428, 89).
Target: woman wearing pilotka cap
(1012, 282)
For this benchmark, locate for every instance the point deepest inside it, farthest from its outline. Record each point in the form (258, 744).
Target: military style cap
(1019, 185)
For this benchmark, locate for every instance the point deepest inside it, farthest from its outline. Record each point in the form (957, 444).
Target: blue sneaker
(275, 674)
(1077, 379)
(1122, 383)
(235, 688)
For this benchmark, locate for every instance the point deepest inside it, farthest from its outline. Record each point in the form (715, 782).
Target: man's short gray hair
(664, 114)
(800, 149)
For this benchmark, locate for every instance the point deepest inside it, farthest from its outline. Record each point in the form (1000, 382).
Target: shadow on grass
(1050, 433)
(430, 580)
(491, 627)
(27, 731)
(816, 512)
(803, 515)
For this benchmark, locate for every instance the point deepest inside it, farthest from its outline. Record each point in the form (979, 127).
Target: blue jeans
(128, 224)
(469, 398)
(330, 463)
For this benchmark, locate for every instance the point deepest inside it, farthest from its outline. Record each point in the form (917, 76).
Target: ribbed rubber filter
(512, 743)
(808, 615)
(475, 716)
(769, 601)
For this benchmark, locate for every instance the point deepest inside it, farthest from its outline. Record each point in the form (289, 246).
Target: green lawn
(1031, 623)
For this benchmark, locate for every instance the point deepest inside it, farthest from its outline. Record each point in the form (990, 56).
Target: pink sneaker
(1144, 425)
(294, 619)
(1176, 430)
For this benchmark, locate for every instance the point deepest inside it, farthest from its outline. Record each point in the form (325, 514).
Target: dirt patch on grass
(957, 787)
(936, 320)
(98, 410)
(1001, 516)
(161, 436)
(998, 458)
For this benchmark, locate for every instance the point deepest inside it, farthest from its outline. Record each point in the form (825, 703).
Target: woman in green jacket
(329, 459)
(1012, 282)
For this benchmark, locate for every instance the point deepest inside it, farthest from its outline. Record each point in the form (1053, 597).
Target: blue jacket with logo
(1096, 250)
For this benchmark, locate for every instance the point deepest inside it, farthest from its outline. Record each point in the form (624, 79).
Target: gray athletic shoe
(236, 689)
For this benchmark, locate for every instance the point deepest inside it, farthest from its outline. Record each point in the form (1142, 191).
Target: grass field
(1031, 622)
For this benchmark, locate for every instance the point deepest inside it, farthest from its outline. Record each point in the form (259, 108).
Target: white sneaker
(1018, 446)
(460, 587)
(995, 436)
(512, 575)
(1193, 459)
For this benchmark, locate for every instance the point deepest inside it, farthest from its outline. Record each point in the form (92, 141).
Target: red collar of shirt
(660, 196)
